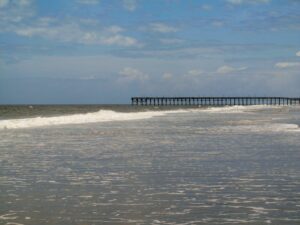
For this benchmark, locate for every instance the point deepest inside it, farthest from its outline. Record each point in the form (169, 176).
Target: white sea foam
(271, 127)
(100, 116)
(239, 108)
(108, 115)
(8, 216)
(255, 128)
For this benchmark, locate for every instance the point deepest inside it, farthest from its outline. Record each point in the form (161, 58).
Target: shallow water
(231, 165)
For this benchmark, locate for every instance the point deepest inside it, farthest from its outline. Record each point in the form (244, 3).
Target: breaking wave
(95, 117)
(239, 108)
(258, 128)
(109, 115)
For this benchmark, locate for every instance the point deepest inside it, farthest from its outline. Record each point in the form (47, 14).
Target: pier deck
(212, 101)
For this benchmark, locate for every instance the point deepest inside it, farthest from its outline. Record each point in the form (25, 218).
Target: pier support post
(213, 101)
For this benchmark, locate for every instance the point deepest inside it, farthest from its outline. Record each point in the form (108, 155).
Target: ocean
(93, 164)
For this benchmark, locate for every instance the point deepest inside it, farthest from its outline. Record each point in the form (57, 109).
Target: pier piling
(212, 101)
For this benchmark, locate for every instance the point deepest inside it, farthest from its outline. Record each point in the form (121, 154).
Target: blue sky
(105, 51)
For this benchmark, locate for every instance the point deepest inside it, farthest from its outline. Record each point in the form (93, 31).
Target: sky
(106, 51)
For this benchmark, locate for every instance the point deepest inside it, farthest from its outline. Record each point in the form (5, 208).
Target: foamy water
(240, 109)
(100, 116)
(230, 165)
(252, 127)
(109, 115)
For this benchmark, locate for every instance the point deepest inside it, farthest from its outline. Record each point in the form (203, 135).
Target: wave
(274, 127)
(254, 128)
(239, 108)
(109, 115)
(95, 117)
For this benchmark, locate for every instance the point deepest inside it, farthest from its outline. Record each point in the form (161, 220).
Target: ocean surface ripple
(236, 165)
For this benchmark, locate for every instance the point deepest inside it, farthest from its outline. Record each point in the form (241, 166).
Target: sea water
(84, 165)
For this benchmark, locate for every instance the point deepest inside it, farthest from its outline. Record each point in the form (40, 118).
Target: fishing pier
(212, 101)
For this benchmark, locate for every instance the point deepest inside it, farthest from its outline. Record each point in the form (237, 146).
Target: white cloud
(88, 38)
(91, 77)
(46, 21)
(206, 7)
(88, 2)
(236, 2)
(129, 73)
(3, 3)
(23, 2)
(229, 69)
(88, 22)
(120, 40)
(72, 32)
(298, 53)
(130, 5)
(284, 65)
(218, 23)
(162, 28)
(115, 29)
(20, 3)
(31, 31)
(194, 73)
(82, 31)
(239, 2)
(167, 76)
(14, 11)
(181, 52)
(170, 41)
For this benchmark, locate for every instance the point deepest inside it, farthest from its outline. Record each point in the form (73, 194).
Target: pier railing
(212, 101)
